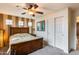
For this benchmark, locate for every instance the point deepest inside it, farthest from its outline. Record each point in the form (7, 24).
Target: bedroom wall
(6, 27)
(41, 33)
(64, 34)
(73, 42)
(67, 45)
(76, 14)
(72, 29)
(3, 18)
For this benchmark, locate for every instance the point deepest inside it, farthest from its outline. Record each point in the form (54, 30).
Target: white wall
(64, 13)
(73, 41)
(41, 33)
(72, 30)
(50, 29)
(76, 14)
(67, 45)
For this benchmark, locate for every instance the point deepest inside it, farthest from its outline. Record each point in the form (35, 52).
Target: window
(9, 22)
(21, 24)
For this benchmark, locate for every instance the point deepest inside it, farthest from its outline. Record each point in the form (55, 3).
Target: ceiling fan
(31, 8)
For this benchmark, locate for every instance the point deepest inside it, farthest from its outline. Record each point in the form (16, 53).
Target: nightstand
(1, 38)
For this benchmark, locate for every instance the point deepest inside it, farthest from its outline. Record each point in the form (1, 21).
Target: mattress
(21, 37)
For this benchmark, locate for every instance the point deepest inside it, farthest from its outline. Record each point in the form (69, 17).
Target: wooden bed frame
(15, 30)
(27, 47)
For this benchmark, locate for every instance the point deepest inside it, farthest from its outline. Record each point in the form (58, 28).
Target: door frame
(76, 37)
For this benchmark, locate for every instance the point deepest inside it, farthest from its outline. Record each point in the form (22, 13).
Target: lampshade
(30, 24)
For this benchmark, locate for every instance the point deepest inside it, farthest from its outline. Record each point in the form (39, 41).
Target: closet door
(59, 28)
(51, 31)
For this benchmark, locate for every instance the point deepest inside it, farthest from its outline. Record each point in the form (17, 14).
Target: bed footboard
(25, 48)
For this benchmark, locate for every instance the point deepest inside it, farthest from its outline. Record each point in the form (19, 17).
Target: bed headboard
(15, 30)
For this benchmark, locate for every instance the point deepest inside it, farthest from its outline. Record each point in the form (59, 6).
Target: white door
(59, 28)
(51, 31)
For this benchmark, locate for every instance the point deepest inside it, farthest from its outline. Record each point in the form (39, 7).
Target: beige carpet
(48, 50)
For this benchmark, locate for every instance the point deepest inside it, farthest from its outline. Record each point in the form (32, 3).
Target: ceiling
(10, 8)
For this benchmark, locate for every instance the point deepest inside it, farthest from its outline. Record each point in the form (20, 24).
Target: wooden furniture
(27, 46)
(1, 38)
(1, 21)
(15, 30)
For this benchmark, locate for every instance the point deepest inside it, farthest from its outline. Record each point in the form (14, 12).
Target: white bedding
(21, 37)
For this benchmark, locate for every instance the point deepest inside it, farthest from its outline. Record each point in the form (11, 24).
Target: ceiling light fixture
(31, 13)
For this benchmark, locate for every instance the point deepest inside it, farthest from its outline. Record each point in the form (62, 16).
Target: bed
(23, 43)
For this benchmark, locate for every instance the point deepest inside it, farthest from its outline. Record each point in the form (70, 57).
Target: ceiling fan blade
(23, 13)
(35, 6)
(17, 6)
(39, 12)
(25, 8)
(30, 6)
(22, 7)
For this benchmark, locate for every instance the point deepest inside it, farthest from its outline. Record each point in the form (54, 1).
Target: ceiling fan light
(33, 8)
(31, 13)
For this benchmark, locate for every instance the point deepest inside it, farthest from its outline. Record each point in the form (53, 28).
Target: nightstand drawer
(1, 38)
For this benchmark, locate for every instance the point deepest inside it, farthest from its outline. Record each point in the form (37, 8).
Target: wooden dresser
(1, 38)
